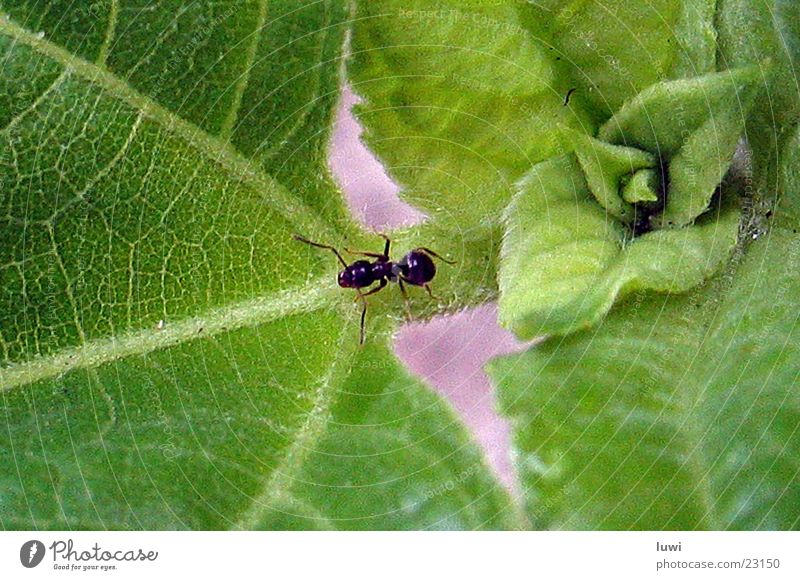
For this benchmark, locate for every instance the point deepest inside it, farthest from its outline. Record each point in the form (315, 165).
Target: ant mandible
(415, 268)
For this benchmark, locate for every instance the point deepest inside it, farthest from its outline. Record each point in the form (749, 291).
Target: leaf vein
(279, 485)
(215, 150)
(313, 295)
(244, 78)
(111, 29)
(46, 93)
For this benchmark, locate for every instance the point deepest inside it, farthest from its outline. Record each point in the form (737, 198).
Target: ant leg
(369, 254)
(378, 289)
(362, 332)
(385, 253)
(435, 255)
(387, 246)
(363, 297)
(405, 298)
(428, 290)
(323, 246)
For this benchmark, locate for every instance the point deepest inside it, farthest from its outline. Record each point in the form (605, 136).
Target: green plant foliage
(750, 31)
(565, 261)
(392, 458)
(567, 257)
(694, 126)
(460, 100)
(614, 50)
(642, 186)
(171, 359)
(606, 168)
(677, 412)
(223, 67)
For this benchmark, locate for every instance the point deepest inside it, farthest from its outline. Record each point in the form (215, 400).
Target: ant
(415, 268)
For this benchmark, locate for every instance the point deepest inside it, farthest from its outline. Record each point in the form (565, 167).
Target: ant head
(356, 275)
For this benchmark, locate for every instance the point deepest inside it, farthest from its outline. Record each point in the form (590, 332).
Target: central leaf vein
(313, 295)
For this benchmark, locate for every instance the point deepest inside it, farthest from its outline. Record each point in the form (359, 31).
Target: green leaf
(641, 186)
(751, 31)
(460, 101)
(614, 50)
(694, 125)
(606, 167)
(392, 458)
(223, 67)
(274, 426)
(788, 24)
(170, 357)
(678, 412)
(564, 262)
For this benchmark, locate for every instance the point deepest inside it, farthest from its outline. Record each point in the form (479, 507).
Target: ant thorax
(397, 271)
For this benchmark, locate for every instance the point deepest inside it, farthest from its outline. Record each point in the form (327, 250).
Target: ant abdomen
(417, 268)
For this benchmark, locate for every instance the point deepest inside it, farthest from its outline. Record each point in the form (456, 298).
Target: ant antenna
(435, 255)
(323, 246)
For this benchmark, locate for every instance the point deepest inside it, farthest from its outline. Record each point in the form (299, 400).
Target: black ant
(415, 268)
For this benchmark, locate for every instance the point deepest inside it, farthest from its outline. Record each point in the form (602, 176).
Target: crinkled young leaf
(614, 50)
(679, 412)
(459, 101)
(607, 168)
(642, 186)
(696, 39)
(694, 125)
(170, 357)
(565, 261)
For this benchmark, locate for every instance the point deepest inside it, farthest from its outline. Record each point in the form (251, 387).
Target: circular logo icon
(31, 553)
